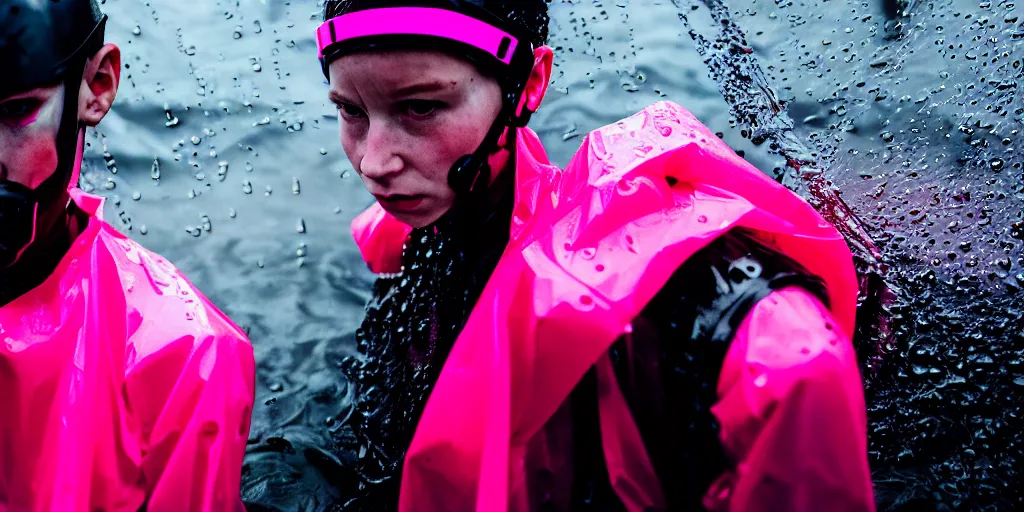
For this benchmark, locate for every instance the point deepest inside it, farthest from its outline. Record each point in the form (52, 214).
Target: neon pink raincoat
(120, 385)
(590, 246)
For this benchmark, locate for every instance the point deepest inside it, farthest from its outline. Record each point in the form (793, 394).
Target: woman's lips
(400, 203)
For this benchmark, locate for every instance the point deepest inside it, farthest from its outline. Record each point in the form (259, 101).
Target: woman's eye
(422, 108)
(18, 110)
(349, 110)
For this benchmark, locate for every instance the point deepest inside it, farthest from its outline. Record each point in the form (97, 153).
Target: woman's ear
(540, 77)
(99, 85)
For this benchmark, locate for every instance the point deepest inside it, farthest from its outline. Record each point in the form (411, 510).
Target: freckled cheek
(351, 144)
(448, 145)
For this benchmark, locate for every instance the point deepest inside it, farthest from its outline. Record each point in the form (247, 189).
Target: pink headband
(420, 21)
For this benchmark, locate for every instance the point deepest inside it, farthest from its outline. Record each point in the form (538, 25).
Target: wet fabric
(590, 246)
(123, 387)
(667, 366)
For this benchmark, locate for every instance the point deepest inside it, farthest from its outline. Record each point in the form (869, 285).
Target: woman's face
(405, 117)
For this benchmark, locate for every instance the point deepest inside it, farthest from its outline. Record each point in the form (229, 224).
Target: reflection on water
(221, 153)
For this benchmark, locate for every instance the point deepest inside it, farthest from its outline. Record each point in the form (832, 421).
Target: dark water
(909, 108)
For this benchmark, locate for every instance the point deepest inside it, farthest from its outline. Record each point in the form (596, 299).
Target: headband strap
(419, 21)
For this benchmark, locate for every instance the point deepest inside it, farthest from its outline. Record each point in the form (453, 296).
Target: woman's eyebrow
(422, 87)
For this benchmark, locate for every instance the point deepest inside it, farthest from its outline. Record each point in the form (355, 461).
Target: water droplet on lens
(276, 387)
(996, 164)
(137, 30)
(136, 195)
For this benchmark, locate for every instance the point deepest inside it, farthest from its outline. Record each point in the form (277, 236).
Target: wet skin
(405, 117)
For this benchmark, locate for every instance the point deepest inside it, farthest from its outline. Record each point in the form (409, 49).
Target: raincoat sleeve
(192, 402)
(791, 408)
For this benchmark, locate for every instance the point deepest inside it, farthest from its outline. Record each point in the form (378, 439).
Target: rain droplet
(295, 186)
(702, 219)
(136, 195)
(301, 251)
(276, 387)
(323, 151)
(301, 226)
(887, 136)
(109, 185)
(246, 187)
(222, 170)
(248, 167)
(996, 164)
(196, 140)
(191, 50)
(154, 172)
(232, 213)
(238, 32)
(143, 229)
(268, 191)
(137, 30)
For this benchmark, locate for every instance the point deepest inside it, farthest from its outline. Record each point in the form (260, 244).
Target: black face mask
(42, 44)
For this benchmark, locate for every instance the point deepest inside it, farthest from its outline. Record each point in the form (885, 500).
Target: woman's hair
(528, 19)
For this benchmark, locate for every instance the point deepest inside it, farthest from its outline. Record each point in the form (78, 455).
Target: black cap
(41, 39)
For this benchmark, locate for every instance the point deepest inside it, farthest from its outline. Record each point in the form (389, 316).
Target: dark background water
(221, 153)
